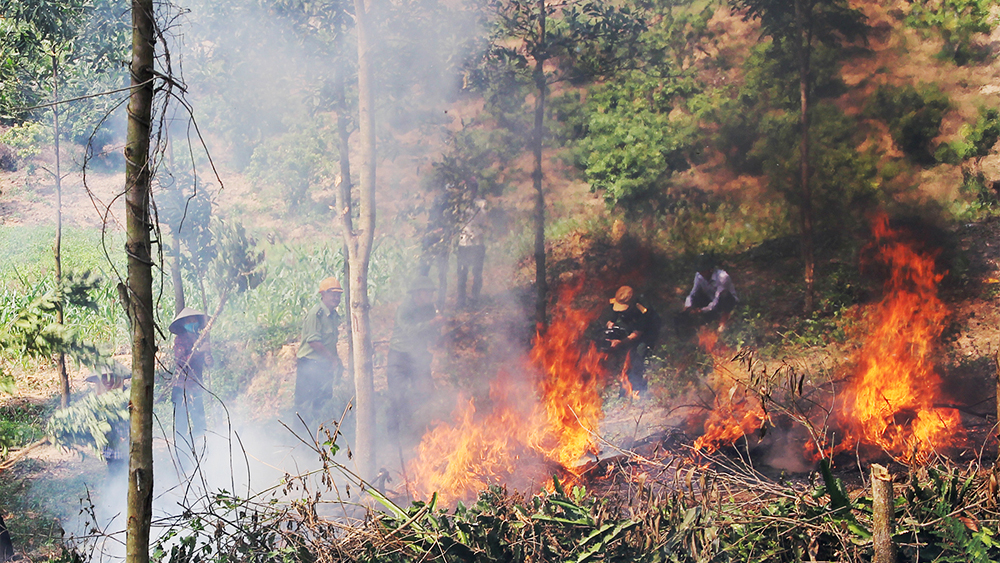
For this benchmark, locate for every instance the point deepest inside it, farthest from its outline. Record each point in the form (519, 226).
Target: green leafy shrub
(957, 21)
(93, 422)
(976, 139)
(913, 116)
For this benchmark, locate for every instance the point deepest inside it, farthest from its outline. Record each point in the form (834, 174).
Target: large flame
(735, 412)
(549, 423)
(890, 401)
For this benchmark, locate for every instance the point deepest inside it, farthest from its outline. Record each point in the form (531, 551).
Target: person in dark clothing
(6, 545)
(408, 368)
(188, 383)
(318, 366)
(437, 240)
(627, 336)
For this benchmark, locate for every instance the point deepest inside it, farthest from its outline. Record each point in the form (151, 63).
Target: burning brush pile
(892, 401)
(534, 428)
(542, 417)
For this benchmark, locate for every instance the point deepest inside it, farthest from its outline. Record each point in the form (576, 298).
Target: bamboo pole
(882, 515)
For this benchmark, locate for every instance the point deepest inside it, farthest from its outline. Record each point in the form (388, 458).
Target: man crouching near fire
(713, 295)
(318, 365)
(408, 369)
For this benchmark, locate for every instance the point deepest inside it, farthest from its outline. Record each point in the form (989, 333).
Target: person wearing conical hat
(318, 366)
(188, 384)
(628, 332)
(408, 366)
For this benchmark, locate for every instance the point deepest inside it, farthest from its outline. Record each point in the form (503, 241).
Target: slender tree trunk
(541, 286)
(344, 147)
(140, 284)
(806, 219)
(57, 247)
(359, 246)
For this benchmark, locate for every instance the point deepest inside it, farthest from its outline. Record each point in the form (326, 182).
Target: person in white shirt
(472, 248)
(713, 293)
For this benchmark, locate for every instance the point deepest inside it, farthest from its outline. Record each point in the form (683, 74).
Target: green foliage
(958, 22)
(238, 265)
(633, 149)
(34, 332)
(976, 139)
(90, 422)
(229, 528)
(637, 130)
(88, 39)
(945, 500)
(913, 116)
(287, 165)
(26, 276)
(20, 424)
(559, 526)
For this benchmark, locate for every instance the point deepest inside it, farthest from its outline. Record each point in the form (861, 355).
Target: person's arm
(720, 287)
(694, 290)
(322, 350)
(311, 335)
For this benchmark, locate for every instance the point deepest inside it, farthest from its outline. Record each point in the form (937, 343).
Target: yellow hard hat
(330, 284)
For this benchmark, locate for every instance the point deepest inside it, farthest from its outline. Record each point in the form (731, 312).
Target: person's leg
(196, 408)
(442, 267)
(301, 393)
(6, 545)
(397, 366)
(180, 417)
(637, 368)
(726, 305)
(478, 259)
(463, 274)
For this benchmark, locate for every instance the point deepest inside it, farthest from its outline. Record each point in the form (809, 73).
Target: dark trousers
(6, 545)
(440, 261)
(410, 385)
(314, 381)
(189, 417)
(470, 258)
(632, 360)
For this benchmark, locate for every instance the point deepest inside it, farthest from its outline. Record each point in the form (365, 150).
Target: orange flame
(890, 402)
(735, 413)
(550, 422)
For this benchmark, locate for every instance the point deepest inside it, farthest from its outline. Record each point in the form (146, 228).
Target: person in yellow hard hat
(318, 366)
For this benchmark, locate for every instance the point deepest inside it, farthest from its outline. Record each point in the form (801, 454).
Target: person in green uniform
(408, 369)
(318, 367)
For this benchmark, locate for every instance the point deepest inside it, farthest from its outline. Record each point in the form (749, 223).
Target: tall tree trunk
(541, 286)
(805, 209)
(57, 246)
(140, 284)
(359, 246)
(344, 147)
